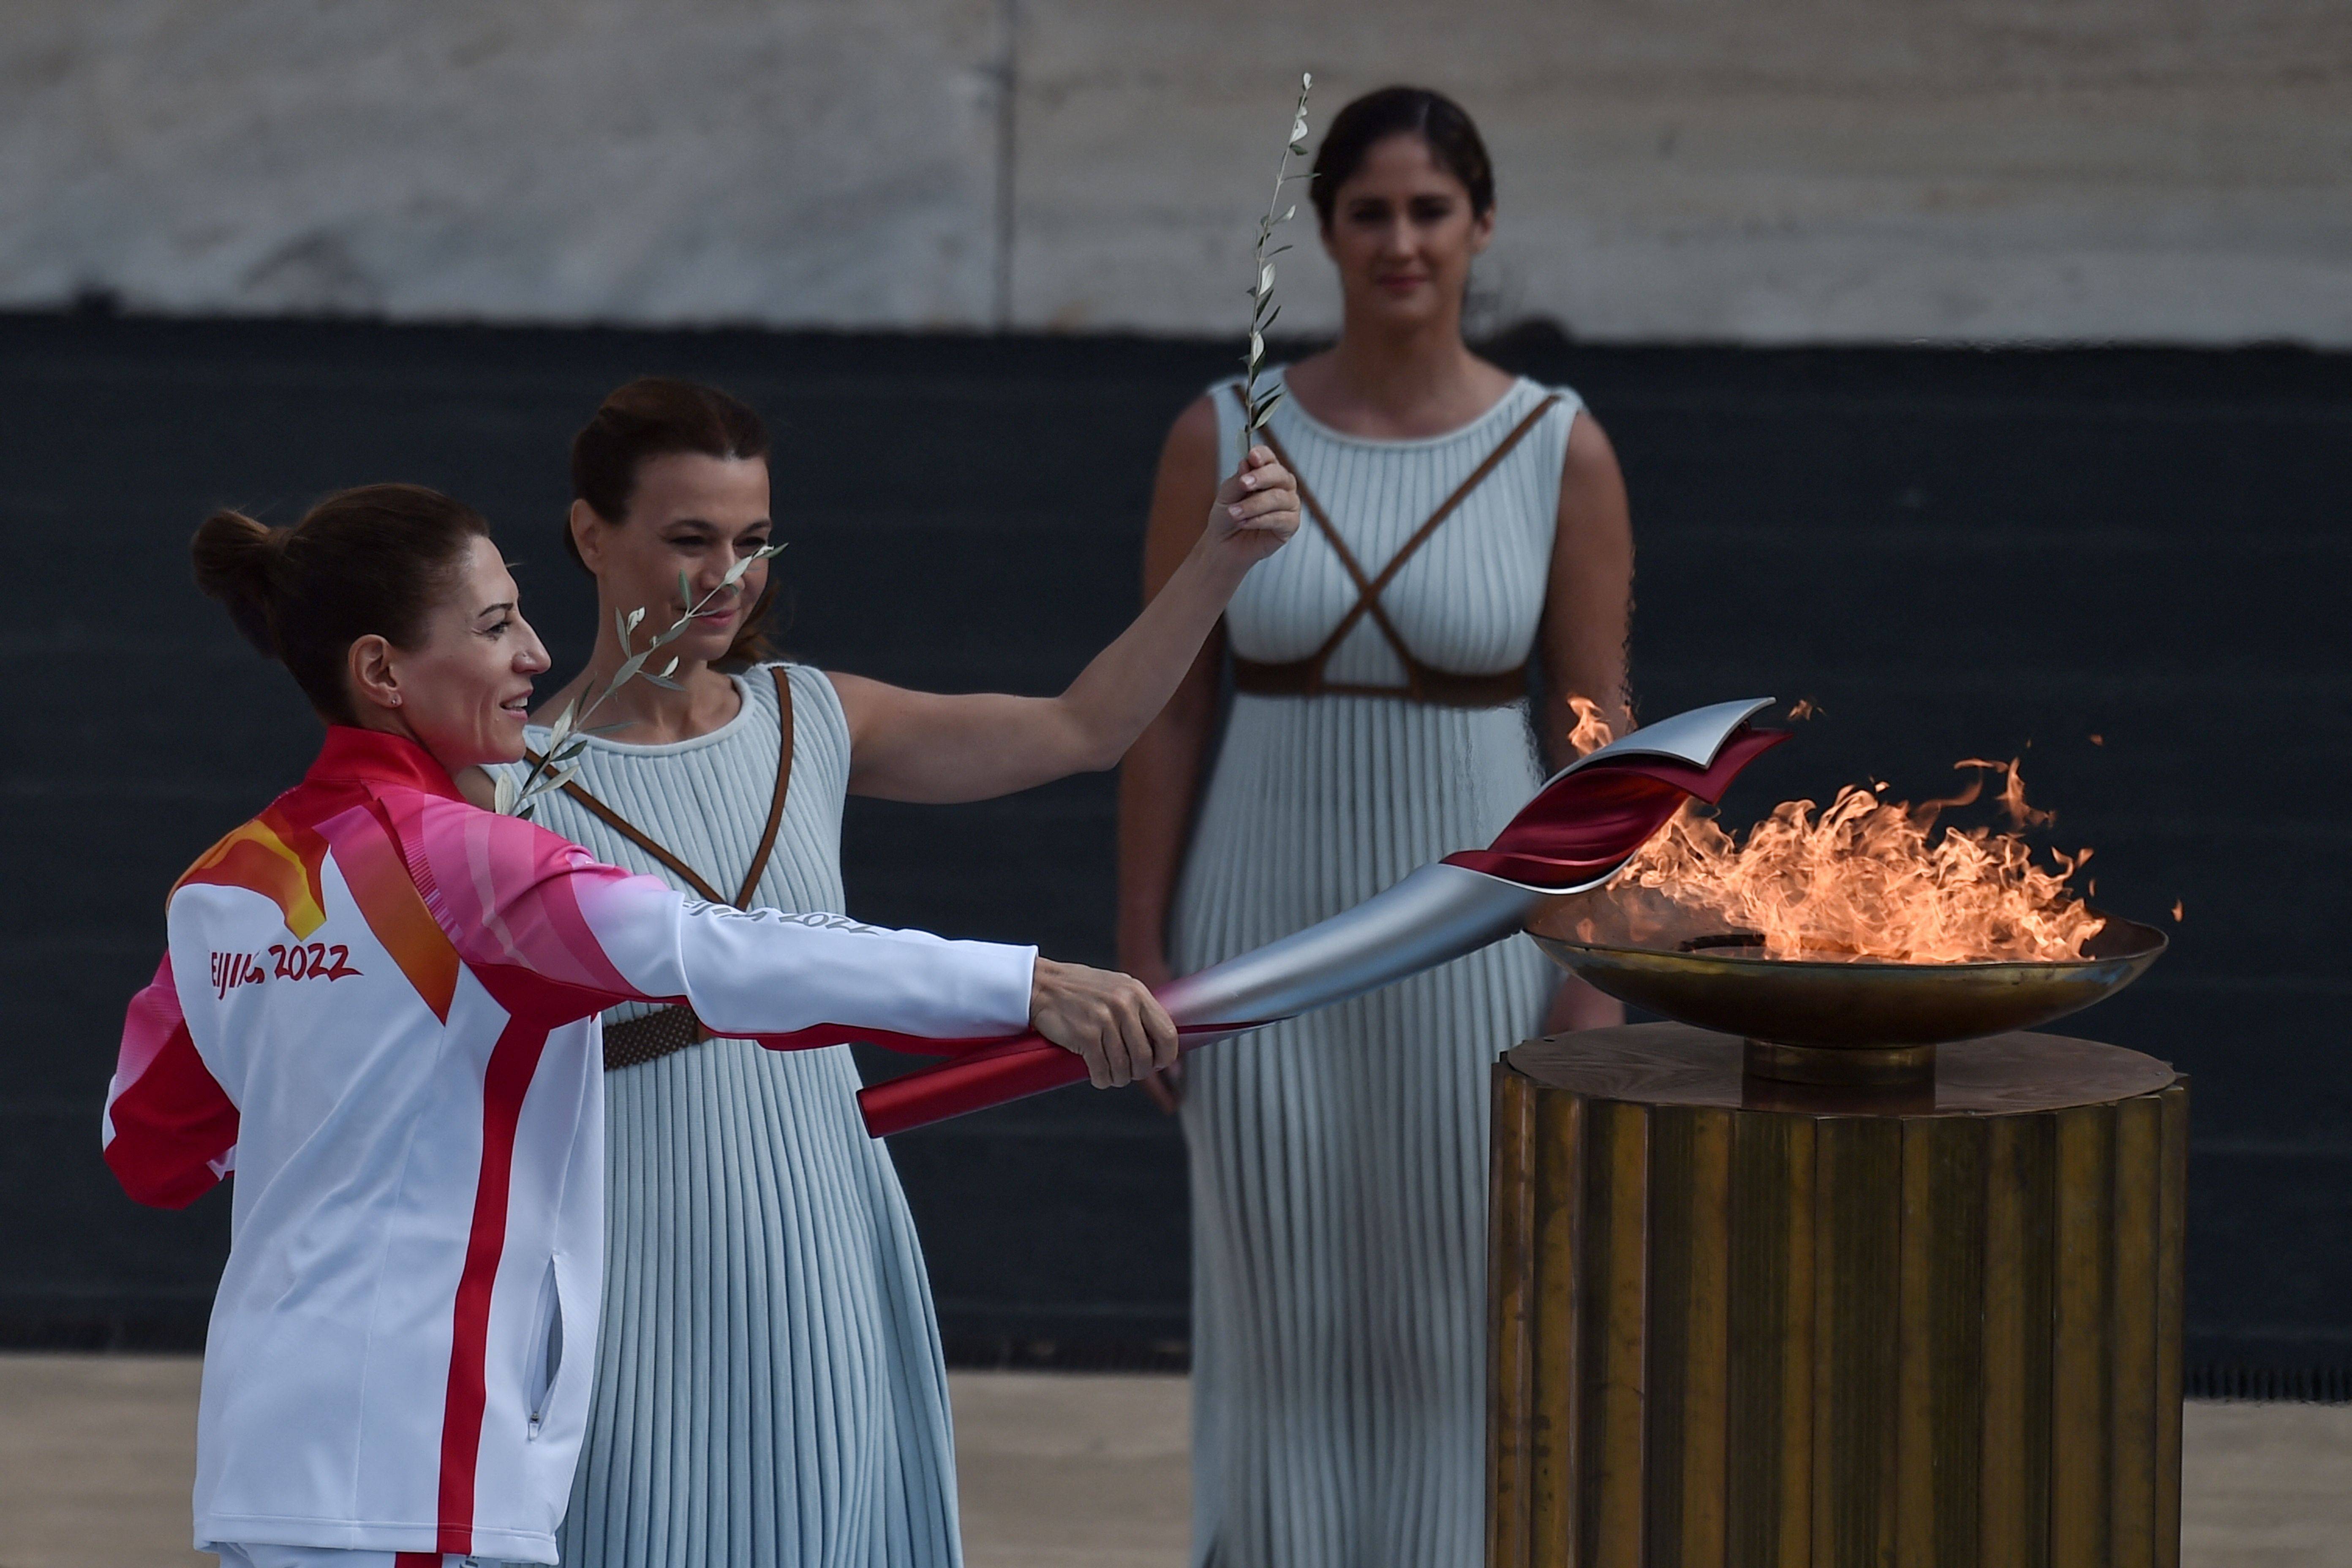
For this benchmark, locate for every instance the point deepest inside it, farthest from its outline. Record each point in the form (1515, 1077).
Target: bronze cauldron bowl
(1862, 1022)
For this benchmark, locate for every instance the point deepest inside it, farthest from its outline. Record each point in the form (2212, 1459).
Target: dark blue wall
(1953, 553)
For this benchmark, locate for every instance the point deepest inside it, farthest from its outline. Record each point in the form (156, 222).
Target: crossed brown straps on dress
(1424, 683)
(644, 841)
(668, 1029)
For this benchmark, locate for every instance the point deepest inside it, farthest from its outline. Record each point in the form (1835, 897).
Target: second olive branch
(1256, 405)
(568, 736)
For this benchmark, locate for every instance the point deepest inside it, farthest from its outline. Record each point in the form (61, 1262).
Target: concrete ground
(96, 1457)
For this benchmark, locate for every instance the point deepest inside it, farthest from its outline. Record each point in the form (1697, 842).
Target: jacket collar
(371, 756)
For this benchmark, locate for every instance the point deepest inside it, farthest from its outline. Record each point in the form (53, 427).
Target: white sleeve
(763, 972)
(514, 895)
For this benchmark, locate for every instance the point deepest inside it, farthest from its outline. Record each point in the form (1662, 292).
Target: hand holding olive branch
(567, 737)
(1262, 310)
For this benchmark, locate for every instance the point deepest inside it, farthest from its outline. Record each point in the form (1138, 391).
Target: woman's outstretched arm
(924, 746)
(1161, 777)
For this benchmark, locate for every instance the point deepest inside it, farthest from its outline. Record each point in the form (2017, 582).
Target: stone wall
(1818, 169)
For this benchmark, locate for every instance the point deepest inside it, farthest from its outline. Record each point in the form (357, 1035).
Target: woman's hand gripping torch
(1588, 820)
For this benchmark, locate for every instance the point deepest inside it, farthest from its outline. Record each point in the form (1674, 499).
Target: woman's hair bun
(363, 562)
(239, 562)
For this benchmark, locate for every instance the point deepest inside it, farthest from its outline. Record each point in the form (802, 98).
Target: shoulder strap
(1313, 509)
(630, 831)
(784, 785)
(1367, 596)
(686, 873)
(1462, 491)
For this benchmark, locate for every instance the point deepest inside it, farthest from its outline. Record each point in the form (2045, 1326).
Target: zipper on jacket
(551, 1346)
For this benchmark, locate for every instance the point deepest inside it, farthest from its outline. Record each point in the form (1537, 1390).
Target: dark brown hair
(1455, 145)
(651, 417)
(364, 562)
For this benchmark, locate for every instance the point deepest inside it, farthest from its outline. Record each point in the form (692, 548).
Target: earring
(396, 700)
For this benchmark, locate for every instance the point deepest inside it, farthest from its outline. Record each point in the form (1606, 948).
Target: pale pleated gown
(770, 1390)
(1338, 1162)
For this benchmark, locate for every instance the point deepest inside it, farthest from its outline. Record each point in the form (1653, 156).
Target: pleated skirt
(770, 1389)
(1338, 1162)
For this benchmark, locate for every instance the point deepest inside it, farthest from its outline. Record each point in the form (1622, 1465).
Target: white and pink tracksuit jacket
(380, 1007)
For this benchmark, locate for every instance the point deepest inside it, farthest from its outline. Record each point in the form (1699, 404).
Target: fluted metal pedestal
(1750, 1322)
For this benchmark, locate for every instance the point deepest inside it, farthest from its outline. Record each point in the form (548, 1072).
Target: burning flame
(1867, 877)
(1592, 731)
(2012, 792)
(1863, 879)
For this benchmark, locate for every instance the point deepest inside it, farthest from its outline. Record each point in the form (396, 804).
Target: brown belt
(651, 1038)
(1436, 688)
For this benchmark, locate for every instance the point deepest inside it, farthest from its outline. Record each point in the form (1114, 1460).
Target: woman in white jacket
(380, 1008)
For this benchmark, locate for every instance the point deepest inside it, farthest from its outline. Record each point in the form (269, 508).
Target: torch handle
(1026, 1065)
(1011, 1069)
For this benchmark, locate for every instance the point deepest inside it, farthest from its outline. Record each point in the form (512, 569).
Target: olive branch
(1262, 310)
(568, 736)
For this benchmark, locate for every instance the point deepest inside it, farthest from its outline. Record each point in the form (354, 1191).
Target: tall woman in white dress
(770, 1389)
(1463, 522)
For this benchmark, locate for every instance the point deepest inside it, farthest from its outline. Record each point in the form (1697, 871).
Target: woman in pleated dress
(1462, 523)
(770, 1388)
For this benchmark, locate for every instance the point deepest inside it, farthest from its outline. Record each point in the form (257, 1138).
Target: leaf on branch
(634, 617)
(663, 681)
(671, 668)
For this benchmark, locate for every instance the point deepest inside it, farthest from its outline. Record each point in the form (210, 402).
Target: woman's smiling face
(689, 514)
(464, 690)
(1402, 234)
